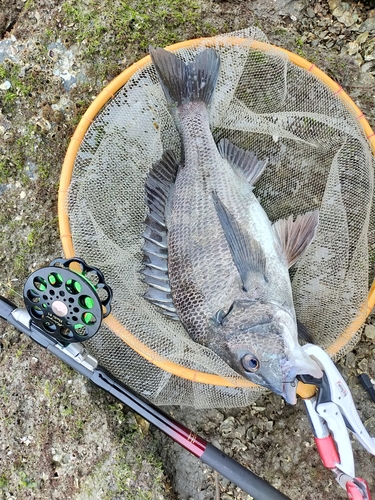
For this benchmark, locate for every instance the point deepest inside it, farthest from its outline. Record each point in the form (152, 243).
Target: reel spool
(68, 305)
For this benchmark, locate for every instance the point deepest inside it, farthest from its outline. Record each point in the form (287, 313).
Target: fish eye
(250, 363)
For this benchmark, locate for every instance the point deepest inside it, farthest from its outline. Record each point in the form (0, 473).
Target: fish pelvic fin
(247, 253)
(159, 184)
(246, 162)
(186, 82)
(296, 235)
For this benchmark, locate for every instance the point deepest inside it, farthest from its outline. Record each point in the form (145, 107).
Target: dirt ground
(60, 437)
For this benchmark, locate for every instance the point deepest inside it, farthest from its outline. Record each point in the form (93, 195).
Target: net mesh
(318, 158)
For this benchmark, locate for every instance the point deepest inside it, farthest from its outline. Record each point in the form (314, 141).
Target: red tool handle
(327, 451)
(357, 489)
(355, 493)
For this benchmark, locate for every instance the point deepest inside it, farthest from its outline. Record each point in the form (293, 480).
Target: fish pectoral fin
(244, 161)
(247, 254)
(296, 236)
(159, 186)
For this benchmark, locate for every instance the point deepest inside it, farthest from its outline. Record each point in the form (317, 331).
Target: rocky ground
(59, 436)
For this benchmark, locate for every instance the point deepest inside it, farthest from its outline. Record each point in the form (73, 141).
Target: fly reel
(68, 299)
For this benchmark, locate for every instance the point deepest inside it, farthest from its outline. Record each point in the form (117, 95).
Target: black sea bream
(213, 260)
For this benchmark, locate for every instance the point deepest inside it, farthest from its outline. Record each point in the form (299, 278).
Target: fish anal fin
(296, 235)
(244, 161)
(159, 185)
(247, 253)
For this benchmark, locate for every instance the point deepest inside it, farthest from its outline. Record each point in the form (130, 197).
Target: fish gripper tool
(332, 413)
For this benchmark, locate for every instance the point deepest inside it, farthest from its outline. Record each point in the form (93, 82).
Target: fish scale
(188, 243)
(212, 266)
(227, 266)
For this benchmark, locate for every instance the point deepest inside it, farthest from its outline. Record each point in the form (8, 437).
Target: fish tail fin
(186, 82)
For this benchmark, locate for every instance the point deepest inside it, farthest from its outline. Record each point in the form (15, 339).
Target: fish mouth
(289, 383)
(301, 366)
(285, 389)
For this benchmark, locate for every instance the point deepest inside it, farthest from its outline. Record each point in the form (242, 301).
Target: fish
(212, 258)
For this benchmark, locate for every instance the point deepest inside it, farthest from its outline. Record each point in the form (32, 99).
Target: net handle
(66, 175)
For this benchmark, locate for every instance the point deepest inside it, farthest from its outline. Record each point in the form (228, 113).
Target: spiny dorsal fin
(296, 236)
(159, 183)
(246, 162)
(186, 82)
(247, 254)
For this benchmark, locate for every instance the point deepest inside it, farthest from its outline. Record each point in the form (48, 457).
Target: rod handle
(249, 482)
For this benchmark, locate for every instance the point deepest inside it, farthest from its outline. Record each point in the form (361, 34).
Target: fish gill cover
(319, 158)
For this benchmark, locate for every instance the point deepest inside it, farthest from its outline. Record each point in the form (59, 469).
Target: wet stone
(368, 25)
(310, 12)
(370, 332)
(348, 19)
(369, 54)
(353, 48)
(335, 29)
(340, 9)
(334, 4)
(251, 433)
(216, 443)
(358, 59)
(362, 38)
(350, 359)
(227, 427)
(340, 43)
(269, 425)
(363, 366)
(368, 67)
(371, 368)
(370, 425)
(238, 445)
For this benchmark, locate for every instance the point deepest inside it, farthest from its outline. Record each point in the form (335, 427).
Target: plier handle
(331, 413)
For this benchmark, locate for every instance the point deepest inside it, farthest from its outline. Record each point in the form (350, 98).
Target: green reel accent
(66, 304)
(55, 279)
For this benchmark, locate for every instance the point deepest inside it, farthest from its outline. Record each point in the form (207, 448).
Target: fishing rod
(65, 304)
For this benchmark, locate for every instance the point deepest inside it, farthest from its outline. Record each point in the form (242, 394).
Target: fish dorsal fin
(247, 254)
(186, 82)
(246, 162)
(296, 236)
(159, 184)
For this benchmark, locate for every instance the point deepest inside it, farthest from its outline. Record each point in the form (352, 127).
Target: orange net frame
(66, 238)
